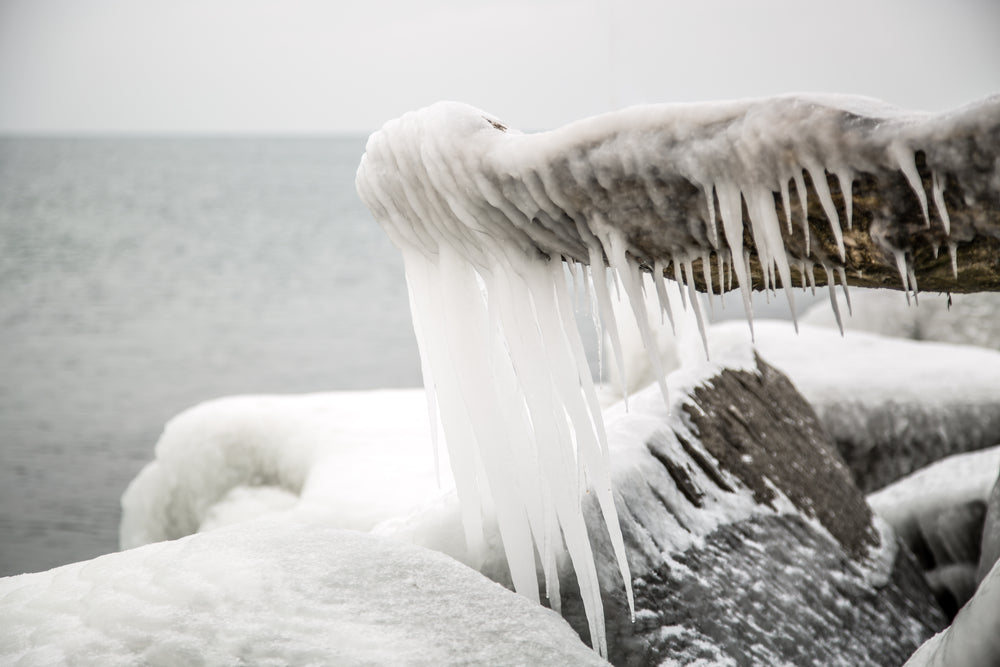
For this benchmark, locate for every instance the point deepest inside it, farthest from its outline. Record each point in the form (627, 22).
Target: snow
(238, 457)
(276, 591)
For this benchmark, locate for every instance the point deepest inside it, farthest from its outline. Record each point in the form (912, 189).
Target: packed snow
(276, 591)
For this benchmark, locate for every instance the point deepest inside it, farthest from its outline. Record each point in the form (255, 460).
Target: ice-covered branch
(753, 188)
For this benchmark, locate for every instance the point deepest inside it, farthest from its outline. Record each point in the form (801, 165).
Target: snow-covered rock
(276, 591)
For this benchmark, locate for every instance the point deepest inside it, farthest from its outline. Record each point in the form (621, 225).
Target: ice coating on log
(485, 214)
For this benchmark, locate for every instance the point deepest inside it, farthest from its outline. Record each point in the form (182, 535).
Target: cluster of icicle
(484, 217)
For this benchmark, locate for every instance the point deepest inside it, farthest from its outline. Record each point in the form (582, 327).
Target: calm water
(141, 276)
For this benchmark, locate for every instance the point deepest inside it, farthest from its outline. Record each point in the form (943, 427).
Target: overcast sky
(324, 66)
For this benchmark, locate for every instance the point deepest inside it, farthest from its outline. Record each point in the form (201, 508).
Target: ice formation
(485, 216)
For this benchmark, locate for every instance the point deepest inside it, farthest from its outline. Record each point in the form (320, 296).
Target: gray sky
(322, 66)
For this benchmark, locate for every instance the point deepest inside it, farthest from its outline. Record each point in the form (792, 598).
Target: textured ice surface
(276, 592)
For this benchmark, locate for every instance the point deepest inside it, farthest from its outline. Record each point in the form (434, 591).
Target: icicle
(937, 189)
(731, 207)
(832, 285)
(903, 273)
(818, 176)
(692, 298)
(679, 281)
(913, 284)
(706, 270)
(661, 295)
(713, 229)
(843, 284)
(786, 203)
(628, 272)
(800, 189)
(812, 278)
(770, 245)
(599, 274)
(953, 251)
(847, 188)
(908, 165)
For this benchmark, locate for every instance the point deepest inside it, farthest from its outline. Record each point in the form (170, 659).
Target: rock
(276, 592)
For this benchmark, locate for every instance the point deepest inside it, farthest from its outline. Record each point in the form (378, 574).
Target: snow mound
(356, 457)
(276, 592)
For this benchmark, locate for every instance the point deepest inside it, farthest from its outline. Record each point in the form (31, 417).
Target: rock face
(751, 544)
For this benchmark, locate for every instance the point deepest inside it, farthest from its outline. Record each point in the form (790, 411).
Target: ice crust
(485, 215)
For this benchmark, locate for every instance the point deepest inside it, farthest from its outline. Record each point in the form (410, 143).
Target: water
(141, 276)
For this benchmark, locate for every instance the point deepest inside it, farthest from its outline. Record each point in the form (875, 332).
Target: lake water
(140, 276)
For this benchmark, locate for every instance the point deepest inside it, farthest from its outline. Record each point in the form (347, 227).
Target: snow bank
(276, 592)
(356, 457)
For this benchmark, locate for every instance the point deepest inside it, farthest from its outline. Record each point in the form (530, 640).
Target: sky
(326, 66)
